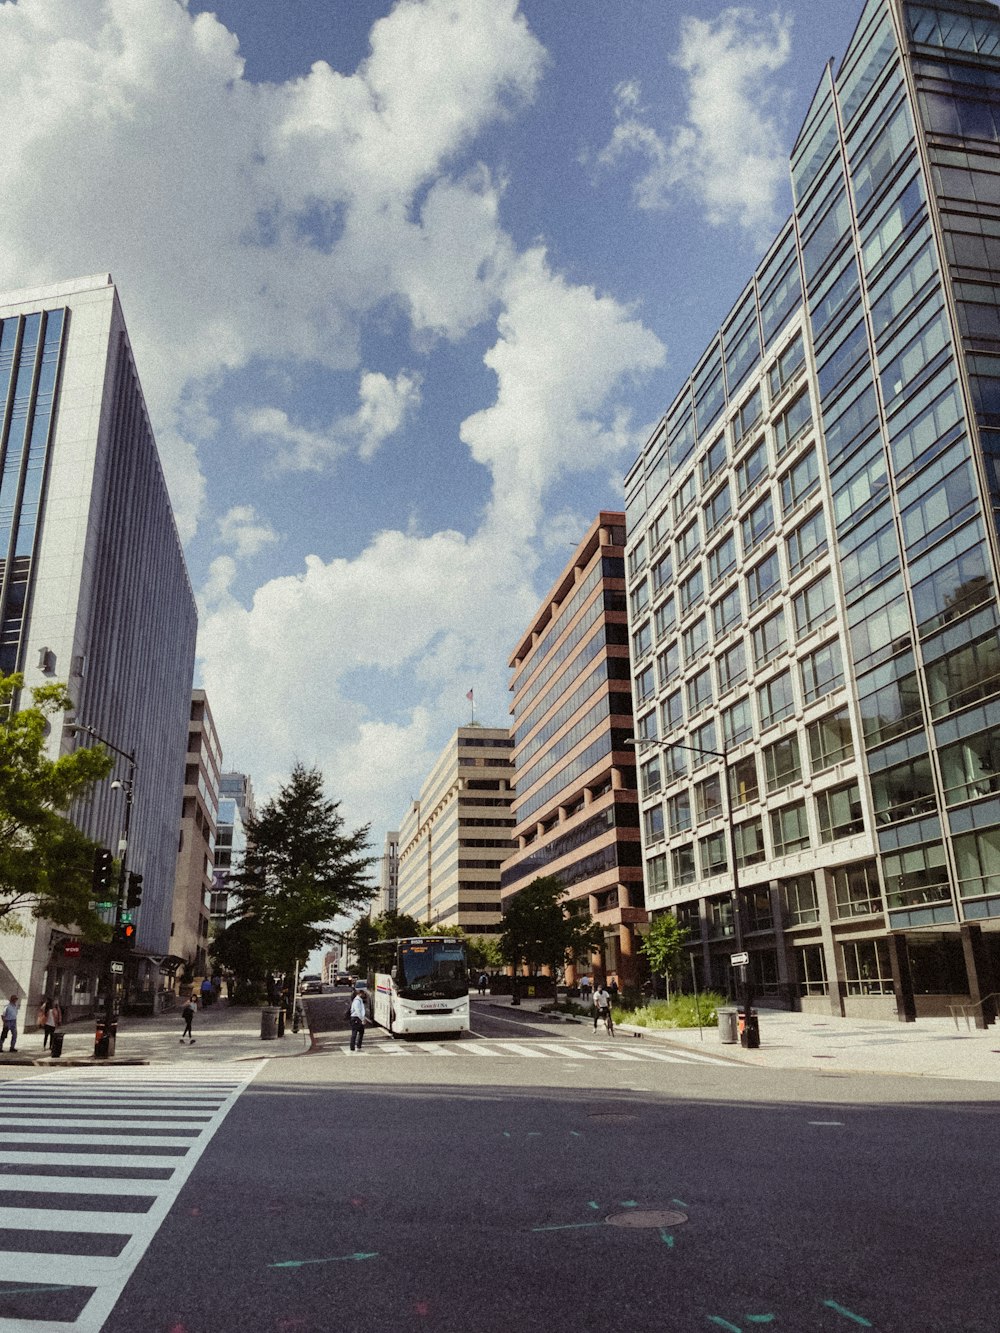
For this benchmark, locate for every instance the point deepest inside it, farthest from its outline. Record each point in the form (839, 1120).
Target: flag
(469, 696)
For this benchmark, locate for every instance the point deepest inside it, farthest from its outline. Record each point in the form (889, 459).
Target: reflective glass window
(782, 765)
(840, 812)
(821, 672)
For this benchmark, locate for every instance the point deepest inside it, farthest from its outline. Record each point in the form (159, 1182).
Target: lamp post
(745, 986)
(105, 1046)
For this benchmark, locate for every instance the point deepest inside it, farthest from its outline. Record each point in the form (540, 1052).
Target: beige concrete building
(576, 810)
(457, 834)
(196, 848)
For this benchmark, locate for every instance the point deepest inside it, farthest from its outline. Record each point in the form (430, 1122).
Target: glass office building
(814, 522)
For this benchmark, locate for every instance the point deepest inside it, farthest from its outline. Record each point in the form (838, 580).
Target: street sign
(71, 949)
(739, 959)
(117, 967)
(126, 918)
(105, 905)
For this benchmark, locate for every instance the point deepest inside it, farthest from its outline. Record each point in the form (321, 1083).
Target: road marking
(108, 1243)
(502, 1047)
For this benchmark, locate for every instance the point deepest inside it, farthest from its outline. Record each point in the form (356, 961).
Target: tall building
(813, 556)
(576, 810)
(457, 834)
(93, 591)
(196, 850)
(388, 876)
(236, 806)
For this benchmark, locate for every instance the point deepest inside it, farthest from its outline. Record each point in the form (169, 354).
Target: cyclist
(602, 1004)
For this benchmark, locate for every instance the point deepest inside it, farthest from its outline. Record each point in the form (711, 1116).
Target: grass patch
(565, 1007)
(680, 1012)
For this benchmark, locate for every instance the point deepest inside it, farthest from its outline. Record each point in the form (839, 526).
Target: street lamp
(746, 989)
(105, 1045)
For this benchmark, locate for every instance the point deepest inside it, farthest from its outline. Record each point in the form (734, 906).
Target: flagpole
(471, 696)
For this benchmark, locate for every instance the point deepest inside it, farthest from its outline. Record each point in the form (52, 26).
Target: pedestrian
(614, 988)
(484, 981)
(10, 1025)
(602, 1004)
(585, 989)
(188, 1013)
(49, 1018)
(206, 993)
(358, 1019)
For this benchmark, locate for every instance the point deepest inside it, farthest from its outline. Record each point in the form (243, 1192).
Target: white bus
(419, 985)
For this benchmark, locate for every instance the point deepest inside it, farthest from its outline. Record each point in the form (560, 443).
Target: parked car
(311, 983)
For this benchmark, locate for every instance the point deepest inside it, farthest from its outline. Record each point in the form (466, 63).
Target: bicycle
(608, 1021)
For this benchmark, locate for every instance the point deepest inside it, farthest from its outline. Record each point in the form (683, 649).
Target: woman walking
(188, 1013)
(49, 1017)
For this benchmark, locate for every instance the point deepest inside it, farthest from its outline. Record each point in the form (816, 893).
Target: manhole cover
(610, 1117)
(663, 1217)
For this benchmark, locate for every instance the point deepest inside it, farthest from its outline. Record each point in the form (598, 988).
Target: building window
(645, 685)
(978, 858)
(699, 690)
(703, 745)
(789, 829)
(682, 865)
(749, 839)
(866, 967)
(668, 664)
(971, 767)
(656, 873)
(726, 612)
(685, 497)
(662, 572)
(857, 890)
(743, 785)
(814, 606)
(793, 422)
(639, 599)
(791, 360)
(642, 642)
(708, 798)
(714, 460)
(782, 765)
(757, 909)
(750, 469)
(807, 543)
(830, 740)
(712, 851)
(917, 876)
(719, 917)
(737, 722)
(964, 675)
(692, 591)
(732, 667)
(672, 712)
(721, 561)
(821, 672)
(687, 543)
(811, 970)
(840, 812)
(665, 617)
(650, 777)
(645, 727)
(695, 639)
(903, 791)
(776, 699)
(652, 821)
(637, 557)
(799, 482)
(679, 812)
(757, 525)
(769, 639)
(801, 904)
(763, 580)
(717, 509)
(748, 415)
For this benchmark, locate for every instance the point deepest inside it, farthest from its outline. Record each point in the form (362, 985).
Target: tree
(46, 862)
(397, 926)
(541, 930)
(664, 946)
(485, 954)
(300, 870)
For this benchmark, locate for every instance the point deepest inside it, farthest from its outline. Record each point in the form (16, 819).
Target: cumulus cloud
(277, 228)
(728, 155)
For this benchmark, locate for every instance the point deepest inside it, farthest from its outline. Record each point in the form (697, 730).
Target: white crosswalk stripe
(494, 1048)
(75, 1220)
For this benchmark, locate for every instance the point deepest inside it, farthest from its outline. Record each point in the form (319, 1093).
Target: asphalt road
(575, 1185)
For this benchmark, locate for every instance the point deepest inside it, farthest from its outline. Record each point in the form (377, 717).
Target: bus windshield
(431, 969)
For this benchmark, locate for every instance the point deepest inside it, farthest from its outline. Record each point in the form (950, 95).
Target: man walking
(358, 1020)
(10, 1025)
(188, 1013)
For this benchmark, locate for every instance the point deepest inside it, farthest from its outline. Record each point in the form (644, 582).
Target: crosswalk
(491, 1048)
(91, 1163)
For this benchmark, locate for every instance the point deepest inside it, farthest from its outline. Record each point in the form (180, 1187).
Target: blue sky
(408, 284)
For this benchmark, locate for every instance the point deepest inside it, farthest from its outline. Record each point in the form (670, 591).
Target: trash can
(749, 1030)
(55, 1044)
(269, 1023)
(281, 1022)
(728, 1032)
(104, 1039)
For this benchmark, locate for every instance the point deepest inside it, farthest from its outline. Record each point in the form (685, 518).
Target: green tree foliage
(664, 945)
(300, 871)
(541, 930)
(397, 926)
(46, 863)
(485, 954)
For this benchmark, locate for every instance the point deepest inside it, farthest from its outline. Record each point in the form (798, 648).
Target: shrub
(678, 1012)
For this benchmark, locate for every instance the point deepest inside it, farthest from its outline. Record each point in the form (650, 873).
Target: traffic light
(134, 890)
(125, 934)
(103, 865)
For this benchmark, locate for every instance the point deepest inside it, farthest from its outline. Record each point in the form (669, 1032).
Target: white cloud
(729, 156)
(383, 406)
(240, 528)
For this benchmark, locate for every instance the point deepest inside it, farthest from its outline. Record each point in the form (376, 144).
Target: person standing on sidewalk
(10, 1025)
(358, 1017)
(49, 1018)
(188, 1013)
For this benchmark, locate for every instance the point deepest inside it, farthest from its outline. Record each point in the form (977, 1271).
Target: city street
(563, 1179)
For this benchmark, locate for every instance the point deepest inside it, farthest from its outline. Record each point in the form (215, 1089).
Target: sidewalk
(929, 1048)
(223, 1033)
